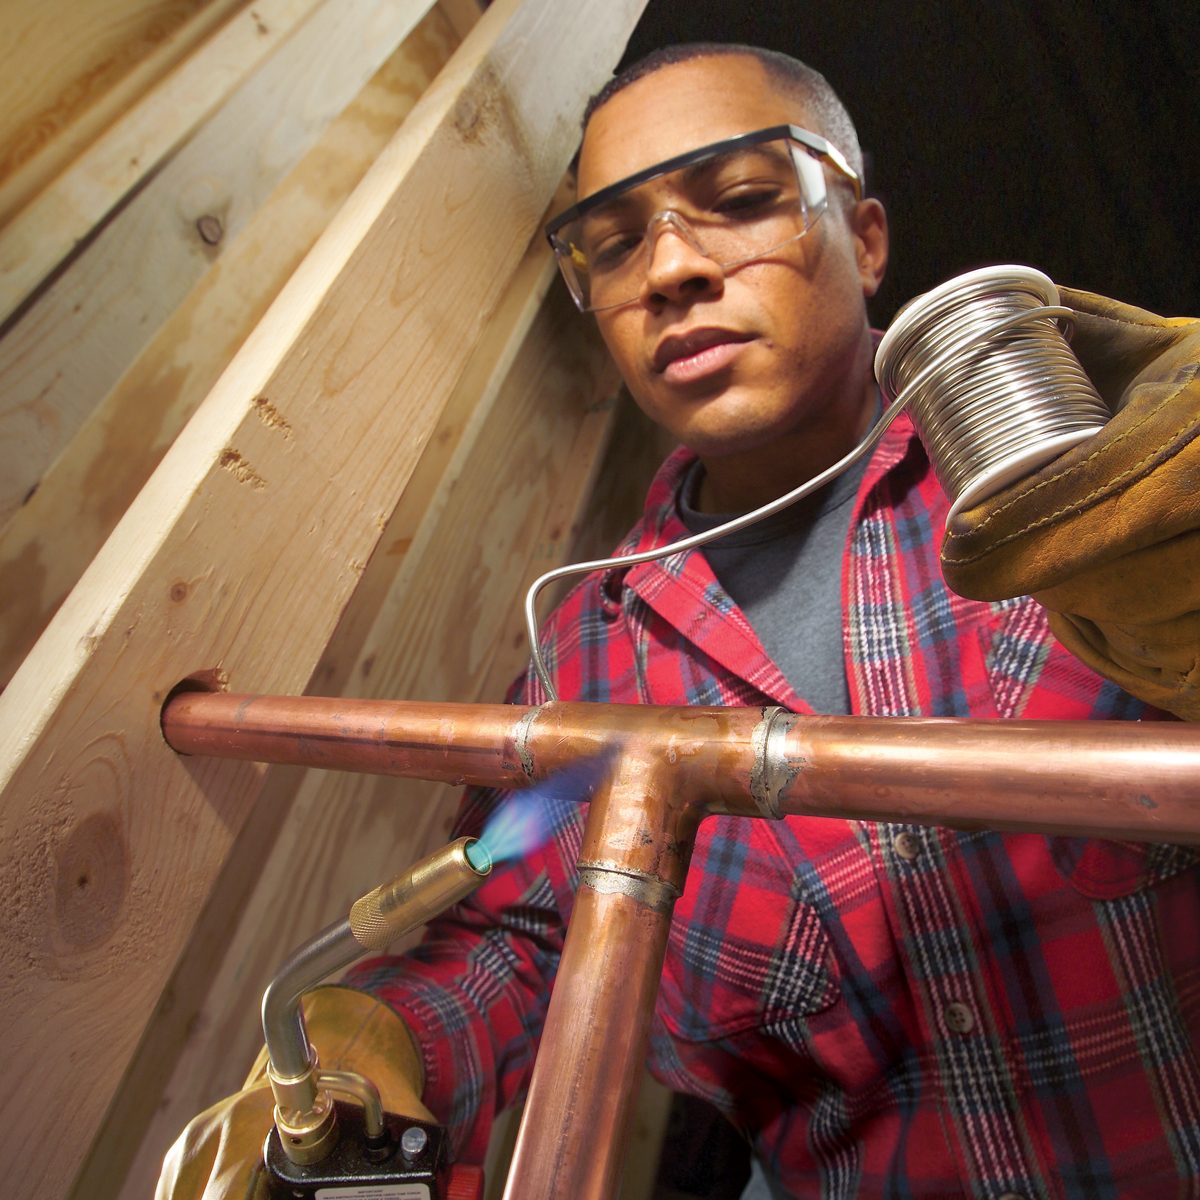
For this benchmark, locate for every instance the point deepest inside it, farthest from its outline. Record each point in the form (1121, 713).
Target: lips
(686, 345)
(699, 352)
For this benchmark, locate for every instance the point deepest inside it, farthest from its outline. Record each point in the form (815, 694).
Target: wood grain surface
(72, 69)
(52, 538)
(241, 553)
(522, 464)
(36, 239)
(72, 346)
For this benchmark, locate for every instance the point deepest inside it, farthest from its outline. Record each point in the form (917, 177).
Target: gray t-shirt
(785, 574)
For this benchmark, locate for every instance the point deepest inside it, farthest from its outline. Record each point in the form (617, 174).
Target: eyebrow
(689, 176)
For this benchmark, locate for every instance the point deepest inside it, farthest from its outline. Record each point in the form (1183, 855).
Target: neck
(739, 482)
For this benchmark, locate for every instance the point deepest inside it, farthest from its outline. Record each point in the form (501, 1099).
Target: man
(885, 1010)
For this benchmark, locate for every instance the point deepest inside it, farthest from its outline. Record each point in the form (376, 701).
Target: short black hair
(797, 79)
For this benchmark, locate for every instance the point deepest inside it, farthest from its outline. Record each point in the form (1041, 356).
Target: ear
(868, 224)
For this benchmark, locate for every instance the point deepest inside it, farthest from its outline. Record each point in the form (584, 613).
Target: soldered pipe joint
(773, 770)
(611, 880)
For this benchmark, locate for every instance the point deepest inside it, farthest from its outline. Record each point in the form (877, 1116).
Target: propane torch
(318, 1142)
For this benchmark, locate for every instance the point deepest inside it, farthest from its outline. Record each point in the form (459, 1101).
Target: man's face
(730, 361)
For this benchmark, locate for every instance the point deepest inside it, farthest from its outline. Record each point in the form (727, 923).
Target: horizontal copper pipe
(1108, 779)
(1136, 780)
(455, 743)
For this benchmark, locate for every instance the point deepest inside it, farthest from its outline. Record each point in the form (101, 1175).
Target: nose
(678, 269)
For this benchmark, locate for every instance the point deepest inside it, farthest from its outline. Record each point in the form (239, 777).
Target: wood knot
(92, 879)
(210, 229)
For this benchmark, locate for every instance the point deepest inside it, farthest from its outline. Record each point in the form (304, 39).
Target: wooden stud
(85, 329)
(43, 233)
(463, 15)
(435, 635)
(241, 552)
(200, 977)
(72, 69)
(52, 538)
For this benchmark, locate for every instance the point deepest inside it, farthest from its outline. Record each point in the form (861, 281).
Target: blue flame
(530, 817)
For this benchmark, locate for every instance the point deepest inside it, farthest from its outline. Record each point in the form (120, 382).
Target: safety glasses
(733, 201)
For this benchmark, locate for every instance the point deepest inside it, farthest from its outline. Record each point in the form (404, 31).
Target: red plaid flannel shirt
(887, 1010)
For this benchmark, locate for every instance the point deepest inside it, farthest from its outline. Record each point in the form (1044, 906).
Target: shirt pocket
(747, 949)
(1107, 870)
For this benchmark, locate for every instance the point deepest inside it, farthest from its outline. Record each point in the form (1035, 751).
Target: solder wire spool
(989, 381)
(993, 389)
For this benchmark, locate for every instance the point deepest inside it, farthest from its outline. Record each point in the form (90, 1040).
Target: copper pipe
(454, 743)
(1106, 779)
(1100, 778)
(633, 860)
(593, 1046)
(593, 1050)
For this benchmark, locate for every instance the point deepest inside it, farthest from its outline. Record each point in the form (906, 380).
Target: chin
(739, 433)
(716, 444)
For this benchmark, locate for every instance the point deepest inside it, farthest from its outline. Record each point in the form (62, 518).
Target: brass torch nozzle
(426, 889)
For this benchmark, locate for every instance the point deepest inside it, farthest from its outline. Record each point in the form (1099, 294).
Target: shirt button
(907, 845)
(960, 1019)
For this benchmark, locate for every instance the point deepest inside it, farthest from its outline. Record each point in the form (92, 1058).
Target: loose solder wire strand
(927, 373)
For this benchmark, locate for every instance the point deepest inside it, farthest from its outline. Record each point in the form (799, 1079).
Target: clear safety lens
(733, 207)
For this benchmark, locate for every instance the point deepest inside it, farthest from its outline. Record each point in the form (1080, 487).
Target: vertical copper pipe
(593, 1048)
(593, 1045)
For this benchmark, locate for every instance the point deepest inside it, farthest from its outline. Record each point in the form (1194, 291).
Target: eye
(614, 250)
(748, 201)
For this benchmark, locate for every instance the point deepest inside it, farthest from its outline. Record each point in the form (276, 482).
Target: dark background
(1056, 133)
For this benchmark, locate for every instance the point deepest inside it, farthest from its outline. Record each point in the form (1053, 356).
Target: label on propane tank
(380, 1191)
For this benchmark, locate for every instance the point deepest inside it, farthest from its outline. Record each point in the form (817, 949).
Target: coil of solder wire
(989, 381)
(991, 385)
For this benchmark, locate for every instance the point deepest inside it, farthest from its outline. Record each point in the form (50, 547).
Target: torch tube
(375, 920)
(283, 1023)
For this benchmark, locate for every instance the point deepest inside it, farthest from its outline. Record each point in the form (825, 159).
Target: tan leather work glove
(1107, 537)
(219, 1154)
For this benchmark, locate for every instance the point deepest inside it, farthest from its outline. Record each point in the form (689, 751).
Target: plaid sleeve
(474, 992)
